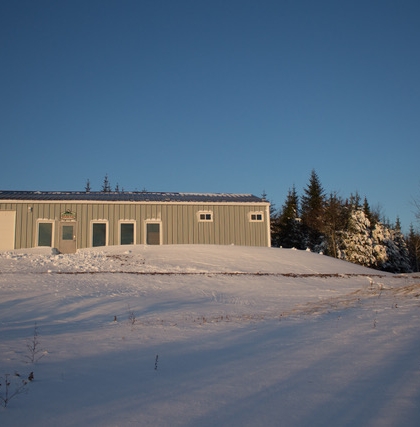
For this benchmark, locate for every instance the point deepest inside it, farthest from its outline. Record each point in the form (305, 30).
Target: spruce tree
(400, 257)
(289, 233)
(397, 224)
(87, 186)
(336, 218)
(356, 244)
(272, 205)
(413, 245)
(312, 212)
(355, 200)
(106, 186)
(366, 210)
(390, 249)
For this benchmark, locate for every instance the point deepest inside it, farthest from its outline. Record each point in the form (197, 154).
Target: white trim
(127, 221)
(125, 202)
(205, 214)
(44, 221)
(256, 214)
(267, 211)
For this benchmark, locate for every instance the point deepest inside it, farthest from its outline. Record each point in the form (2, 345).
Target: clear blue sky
(213, 96)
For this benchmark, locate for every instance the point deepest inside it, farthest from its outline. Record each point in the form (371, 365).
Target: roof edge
(129, 196)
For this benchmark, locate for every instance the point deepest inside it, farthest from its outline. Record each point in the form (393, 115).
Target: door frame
(67, 246)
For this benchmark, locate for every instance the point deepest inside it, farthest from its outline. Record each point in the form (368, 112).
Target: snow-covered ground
(207, 336)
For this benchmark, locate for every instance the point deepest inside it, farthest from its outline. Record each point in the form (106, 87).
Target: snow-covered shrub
(356, 242)
(379, 247)
(390, 249)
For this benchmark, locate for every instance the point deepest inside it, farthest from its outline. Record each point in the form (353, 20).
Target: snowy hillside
(206, 336)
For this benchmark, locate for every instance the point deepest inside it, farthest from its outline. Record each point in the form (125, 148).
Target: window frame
(45, 221)
(205, 213)
(256, 213)
(122, 222)
(99, 221)
(153, 221)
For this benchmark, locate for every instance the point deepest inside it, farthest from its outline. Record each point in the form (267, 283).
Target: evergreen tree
(87, 186)
(356, 244)
(336, 218)
(376, 215)
(275, 230)
(288, 231)
(413, 245)
(399, 258)
(355, 200)
(380, 247)
(312, 212)
(390, 249)
(106, 186)
(272, 205)
(387, 248)
(368, 213)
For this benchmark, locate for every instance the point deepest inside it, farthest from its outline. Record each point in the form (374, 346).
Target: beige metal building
(72, 220)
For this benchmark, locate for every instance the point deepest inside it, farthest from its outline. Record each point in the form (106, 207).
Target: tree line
(346, 229)
(106, 186)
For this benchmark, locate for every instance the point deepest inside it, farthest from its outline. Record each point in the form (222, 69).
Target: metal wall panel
(179, 221)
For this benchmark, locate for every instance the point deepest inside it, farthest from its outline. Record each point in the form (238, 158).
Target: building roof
(129, 196)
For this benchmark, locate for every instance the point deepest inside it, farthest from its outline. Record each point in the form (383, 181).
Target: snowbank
(207, 335)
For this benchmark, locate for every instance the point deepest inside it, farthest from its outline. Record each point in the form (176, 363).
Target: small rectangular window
(67, 232)
(205, 216)
(256, 216)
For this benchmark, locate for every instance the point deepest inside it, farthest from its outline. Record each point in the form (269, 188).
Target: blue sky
(213, 96)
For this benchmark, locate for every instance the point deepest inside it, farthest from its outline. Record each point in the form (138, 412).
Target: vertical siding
(139, 231)
(112, 224)
(179, 222)
(182, 226)
(30, 223)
